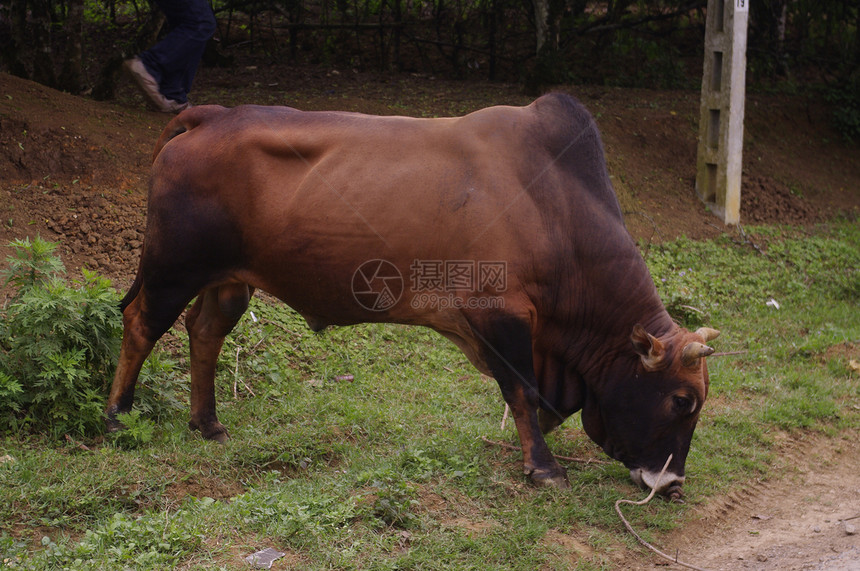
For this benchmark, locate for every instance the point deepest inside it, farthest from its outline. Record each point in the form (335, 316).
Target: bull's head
(646, 412)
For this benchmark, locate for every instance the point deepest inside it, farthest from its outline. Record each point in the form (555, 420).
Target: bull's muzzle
(668, 484)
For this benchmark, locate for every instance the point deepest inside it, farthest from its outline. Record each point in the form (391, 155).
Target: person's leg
(173, 61)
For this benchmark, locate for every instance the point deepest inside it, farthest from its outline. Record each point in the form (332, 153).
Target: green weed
(138, 431)
(58, 345)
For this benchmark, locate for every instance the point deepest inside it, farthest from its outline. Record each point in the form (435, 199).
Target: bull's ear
(649, 348)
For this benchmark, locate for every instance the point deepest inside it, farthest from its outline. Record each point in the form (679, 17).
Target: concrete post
(721, 121)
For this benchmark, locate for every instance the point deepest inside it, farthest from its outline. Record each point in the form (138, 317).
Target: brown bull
(500, 230)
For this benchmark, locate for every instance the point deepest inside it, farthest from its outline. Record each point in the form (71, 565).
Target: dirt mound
(30, 152)
(47, 135)
(767, 201)
(62, 184)
(74, 171)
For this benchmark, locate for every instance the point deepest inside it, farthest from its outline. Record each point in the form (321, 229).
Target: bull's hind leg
(210, 319)
(507, 350)
(145, 319)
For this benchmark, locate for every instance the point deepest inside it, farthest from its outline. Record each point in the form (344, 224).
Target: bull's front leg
(507, 350)
(210, 319)
(538, 462)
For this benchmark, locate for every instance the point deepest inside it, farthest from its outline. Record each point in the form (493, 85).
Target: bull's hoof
(219, 437)
(112, 424)
(214, 431)
(550, 478)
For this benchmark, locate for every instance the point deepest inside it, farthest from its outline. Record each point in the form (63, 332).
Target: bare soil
(806, 519)
(74, 171)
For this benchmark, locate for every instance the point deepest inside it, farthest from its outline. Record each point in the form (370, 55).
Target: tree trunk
(17, 39)
(781, 20)
(398, 21)
(493, 22)
(857, 39)
(73, 30)
(541, 23)
(43, 63)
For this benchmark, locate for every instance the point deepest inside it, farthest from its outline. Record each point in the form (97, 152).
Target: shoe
(145, 82)
(171, 106)
(149, 87)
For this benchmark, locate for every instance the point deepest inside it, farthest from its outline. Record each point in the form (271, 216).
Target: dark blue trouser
(173, 61)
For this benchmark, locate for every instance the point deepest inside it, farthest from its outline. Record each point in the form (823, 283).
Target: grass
(387, 471)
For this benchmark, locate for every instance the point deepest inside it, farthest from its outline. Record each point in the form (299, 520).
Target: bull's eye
(682, 405)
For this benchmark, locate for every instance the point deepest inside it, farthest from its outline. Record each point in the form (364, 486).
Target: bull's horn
(694, 351)
(707, 333)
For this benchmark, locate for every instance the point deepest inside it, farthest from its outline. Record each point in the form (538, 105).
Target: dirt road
(807, 518)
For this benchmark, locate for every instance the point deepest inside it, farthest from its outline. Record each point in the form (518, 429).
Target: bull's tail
(185, 121)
